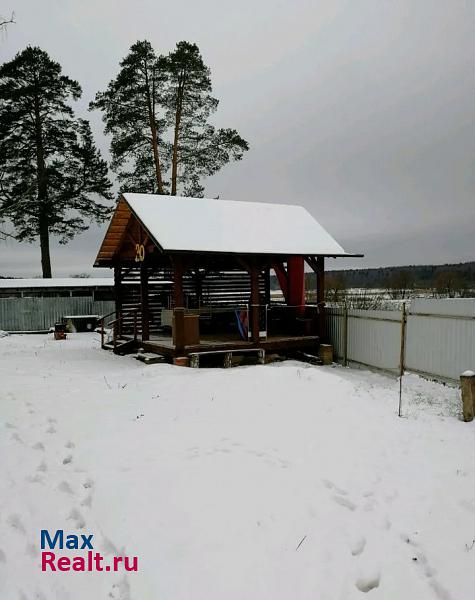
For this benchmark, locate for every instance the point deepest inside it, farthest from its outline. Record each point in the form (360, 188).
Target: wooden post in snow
(402, 353)
(345, 339)
(467, 386)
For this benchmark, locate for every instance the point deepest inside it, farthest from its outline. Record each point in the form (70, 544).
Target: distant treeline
(461, 275)
(421, 276)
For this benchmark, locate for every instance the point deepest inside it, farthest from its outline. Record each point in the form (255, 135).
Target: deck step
(308, 358)
(149, 358)
(121, 346)
(227, 356)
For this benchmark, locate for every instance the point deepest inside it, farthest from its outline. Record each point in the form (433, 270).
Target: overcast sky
(362, 111)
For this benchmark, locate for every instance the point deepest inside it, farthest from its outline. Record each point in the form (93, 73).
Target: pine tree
(50, 168)
(198, 149)
(131, 106)
(157, 111)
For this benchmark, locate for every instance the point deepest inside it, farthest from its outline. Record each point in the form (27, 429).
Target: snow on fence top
(450, 307)
(59, 282)
(210, 225)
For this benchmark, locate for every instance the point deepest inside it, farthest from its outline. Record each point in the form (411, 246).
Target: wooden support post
(198, 277)
(320, 271)
(267, 285)
(282, 278)
(118, 292)
(254, 317)
(179, 330)
(467, 386)
(178, 270)
(144, 302)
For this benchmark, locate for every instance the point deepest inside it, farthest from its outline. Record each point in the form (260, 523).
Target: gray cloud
(362, 111)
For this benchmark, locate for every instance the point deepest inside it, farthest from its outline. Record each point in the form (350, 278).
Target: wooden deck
(208, 343)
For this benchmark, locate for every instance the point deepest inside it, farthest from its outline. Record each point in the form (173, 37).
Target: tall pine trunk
(44, 246)
(176, 136)
(175, 153)
(42, 182)
(153, 130)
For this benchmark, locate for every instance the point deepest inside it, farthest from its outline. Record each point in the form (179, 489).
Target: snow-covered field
(277, 482)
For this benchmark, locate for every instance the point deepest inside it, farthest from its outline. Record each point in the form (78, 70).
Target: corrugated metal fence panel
(36, 314)
(440, 337)
(335, 330)
(374, 338)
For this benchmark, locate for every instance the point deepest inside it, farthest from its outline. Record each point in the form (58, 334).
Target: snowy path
(276, 482)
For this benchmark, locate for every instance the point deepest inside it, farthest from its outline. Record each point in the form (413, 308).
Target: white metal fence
(437, 337)
(39, 314)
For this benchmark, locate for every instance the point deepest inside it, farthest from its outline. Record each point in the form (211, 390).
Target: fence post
(345, 338)
(401, 355)
(467, 385)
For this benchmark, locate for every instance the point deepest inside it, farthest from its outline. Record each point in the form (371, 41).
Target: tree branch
(5, 22)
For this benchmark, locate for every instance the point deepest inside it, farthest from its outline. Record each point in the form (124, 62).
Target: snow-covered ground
(277, 482)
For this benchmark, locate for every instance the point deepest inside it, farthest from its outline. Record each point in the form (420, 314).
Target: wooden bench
(227, 356)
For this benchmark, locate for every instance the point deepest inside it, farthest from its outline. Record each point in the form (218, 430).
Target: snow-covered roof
(209, 225)
(64, 282)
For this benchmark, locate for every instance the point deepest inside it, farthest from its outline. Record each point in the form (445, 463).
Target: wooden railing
(116, 325)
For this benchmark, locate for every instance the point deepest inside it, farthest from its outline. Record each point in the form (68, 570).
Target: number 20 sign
(139, 252)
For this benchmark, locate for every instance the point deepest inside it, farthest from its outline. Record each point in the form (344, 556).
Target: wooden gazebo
(194, 275)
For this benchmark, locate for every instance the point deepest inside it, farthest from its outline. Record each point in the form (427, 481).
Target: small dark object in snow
(301, 542)
(138, 416)
(414, 558)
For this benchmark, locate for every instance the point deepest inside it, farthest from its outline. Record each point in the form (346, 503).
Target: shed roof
(58, 282)
(183, 224)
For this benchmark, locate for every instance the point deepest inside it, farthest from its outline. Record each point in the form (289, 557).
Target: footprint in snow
(108, 547)
(65, 487)
(34, 479)
(88, 485)
(68, 459)
(51, 429)
(358, 546)
(69, 445)
(87, 501)
(42, 467)
(77, 518)
(38, 446)
(419, 558)
(367, 583)
(121, 590)
(15, 523)
(17, 438)
(331, 486)
(344, 502)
